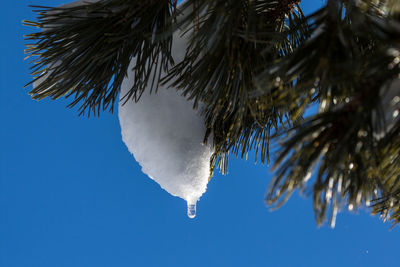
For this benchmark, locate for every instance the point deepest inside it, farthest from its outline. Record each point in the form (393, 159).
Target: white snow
(164, 133)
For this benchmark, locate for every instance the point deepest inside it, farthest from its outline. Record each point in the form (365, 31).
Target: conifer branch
(346, 74)
(256, 67)
(231, 44)
(84, 50)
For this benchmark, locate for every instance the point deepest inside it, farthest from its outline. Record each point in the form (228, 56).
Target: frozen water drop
(191, 209)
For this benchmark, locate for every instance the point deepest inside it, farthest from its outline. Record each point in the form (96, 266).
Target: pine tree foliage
(232, 42)
(85, 50)
(325, 86)
(349, 70)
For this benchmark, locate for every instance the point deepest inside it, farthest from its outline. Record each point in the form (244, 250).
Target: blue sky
(72, 195)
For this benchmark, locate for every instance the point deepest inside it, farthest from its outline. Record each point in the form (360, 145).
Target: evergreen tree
(325, 85)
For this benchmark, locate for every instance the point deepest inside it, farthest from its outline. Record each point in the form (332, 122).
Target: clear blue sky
(71, 195)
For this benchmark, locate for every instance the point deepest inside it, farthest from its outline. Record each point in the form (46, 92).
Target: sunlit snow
(164, 133)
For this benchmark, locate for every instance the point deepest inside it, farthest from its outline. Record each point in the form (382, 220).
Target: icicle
(191, 209)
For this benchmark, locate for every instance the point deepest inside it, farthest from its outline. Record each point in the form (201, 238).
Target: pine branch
(341, 143)
(85, 50)
(388, 202)
(230, 45)
(256, 67)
